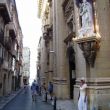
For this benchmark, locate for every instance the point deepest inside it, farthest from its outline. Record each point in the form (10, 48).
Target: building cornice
(40, 3)
(42, 7)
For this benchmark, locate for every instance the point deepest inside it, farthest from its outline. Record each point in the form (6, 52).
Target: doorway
(72, 69)
(4, 84)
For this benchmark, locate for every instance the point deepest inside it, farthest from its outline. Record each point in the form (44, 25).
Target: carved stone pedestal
(89, 46)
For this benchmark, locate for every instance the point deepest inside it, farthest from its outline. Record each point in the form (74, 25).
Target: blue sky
(31, 28)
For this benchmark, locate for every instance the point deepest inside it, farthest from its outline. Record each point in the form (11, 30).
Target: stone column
(61, 86)
(43, 61)
(51, 61)
(51, 53)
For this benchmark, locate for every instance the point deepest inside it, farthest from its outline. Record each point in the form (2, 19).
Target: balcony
(68, 7)
(47, 31)
(50, 2)
(5, 65)
(12, 30)
(20, 62)
(14, 53)
(5, 10)
(7, 42)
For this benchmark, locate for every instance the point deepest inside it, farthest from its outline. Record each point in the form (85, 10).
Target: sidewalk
(65, 105)
(6, 99)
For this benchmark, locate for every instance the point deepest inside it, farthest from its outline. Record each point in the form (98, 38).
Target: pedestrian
(82, 99)
(37, 88)
(40, 90)
(50, 90)
(25, 88)
(43, 92)
(33, 90)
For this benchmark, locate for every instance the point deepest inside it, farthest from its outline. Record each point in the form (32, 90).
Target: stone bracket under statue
(89, 45)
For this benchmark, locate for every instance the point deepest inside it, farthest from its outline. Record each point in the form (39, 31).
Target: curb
(13, 96)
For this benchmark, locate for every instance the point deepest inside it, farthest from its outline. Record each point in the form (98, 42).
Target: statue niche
(86, 17)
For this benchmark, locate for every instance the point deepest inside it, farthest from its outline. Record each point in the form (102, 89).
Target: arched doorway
(72, 68)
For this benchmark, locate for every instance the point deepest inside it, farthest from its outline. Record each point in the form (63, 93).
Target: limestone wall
(98, 76)
(60, 63)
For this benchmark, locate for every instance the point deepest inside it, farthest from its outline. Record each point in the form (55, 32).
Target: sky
(31, 29)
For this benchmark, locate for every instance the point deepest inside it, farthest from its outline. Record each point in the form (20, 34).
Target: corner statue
(86, 14)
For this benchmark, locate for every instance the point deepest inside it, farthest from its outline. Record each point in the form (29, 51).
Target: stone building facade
(26, 65)
(41, 77)
(92, 51)
(10, 47)
(80, 48)
(55, 68)
(45, 46)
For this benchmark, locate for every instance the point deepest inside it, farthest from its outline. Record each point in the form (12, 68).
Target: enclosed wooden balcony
(68, 8)
(7, 42)
(5, 10)
(14, 53)
(20, 62)
(47, 32)
(12, 30)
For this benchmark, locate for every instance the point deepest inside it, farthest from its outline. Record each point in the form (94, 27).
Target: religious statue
(86, 14)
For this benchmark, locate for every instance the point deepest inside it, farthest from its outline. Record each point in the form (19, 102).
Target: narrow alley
(24, 102)
(59, 47)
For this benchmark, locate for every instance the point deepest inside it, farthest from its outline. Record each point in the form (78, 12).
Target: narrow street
(24, 102)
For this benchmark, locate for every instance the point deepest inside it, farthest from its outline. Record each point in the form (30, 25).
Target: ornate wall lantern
(89, 48)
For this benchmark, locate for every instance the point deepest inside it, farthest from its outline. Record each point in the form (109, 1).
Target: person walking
(43, 92)
(25, 88)
(50, 90)
(33, 90)
(37, 88)
(82, 99)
